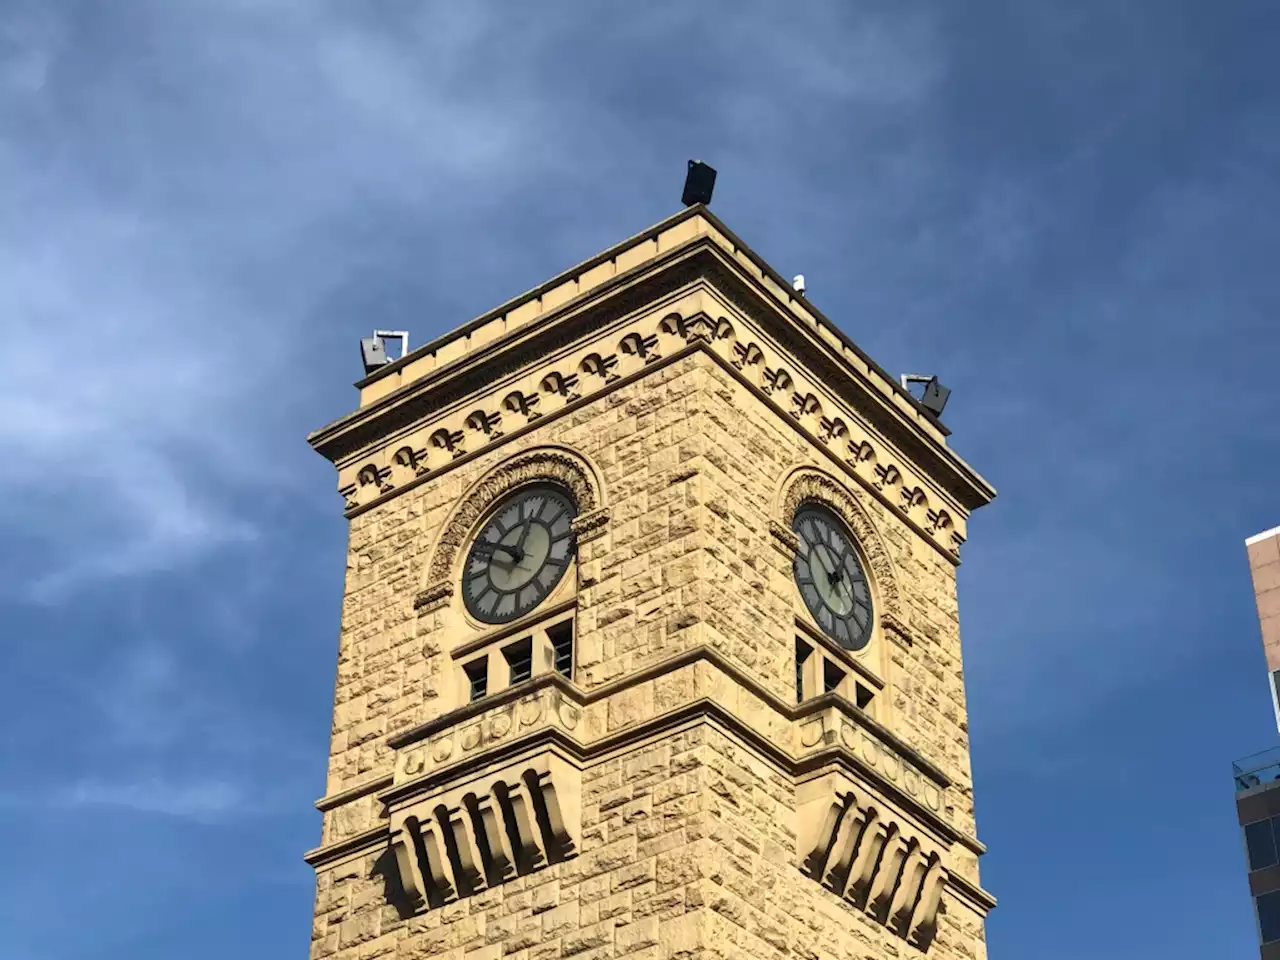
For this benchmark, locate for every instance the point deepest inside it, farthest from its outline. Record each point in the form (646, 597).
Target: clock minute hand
(524, 534)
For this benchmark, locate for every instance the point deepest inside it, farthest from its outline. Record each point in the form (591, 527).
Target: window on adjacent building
(1260, 841)
(1268, 906)
(477, 672)
(519, 657)
(561, 637)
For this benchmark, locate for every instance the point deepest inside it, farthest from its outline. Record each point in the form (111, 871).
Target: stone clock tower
(649, 641)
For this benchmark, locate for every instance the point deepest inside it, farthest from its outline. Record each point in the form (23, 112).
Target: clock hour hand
(832, 575)
(488, 549)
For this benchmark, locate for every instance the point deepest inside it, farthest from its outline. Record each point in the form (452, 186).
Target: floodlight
(373, 350)
(374, 354)
(698, 183)
(935, 395)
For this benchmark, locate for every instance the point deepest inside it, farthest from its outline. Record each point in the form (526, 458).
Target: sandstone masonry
(682, 788)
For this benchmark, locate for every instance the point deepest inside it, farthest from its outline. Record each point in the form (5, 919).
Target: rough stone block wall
(688, 842)
(688, 852)
(747, 450)
(634, 890)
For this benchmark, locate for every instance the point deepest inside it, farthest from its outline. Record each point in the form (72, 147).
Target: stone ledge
(945, 538)
(351, 846)
(977, 898)
(835, 758)
(332, 800)
(491, 728)
(584, 698)
(699, 262)
(468, 836)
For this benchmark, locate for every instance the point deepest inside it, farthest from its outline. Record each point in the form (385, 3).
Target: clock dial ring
(519, 555)
(830, 577)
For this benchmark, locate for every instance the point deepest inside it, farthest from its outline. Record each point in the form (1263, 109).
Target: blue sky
(1066, 210)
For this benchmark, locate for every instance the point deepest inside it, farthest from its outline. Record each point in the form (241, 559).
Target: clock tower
(649, 639)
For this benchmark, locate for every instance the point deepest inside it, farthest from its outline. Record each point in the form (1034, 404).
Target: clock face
(519, 555)
(830, 577)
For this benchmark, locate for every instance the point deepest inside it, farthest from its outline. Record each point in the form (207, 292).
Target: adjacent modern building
(1257, 777)
(650, 643)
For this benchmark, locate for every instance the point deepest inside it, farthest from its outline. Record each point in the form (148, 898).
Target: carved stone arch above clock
(810, 485)
(552, 464)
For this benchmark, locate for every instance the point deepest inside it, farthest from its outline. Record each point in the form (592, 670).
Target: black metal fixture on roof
(373, 350)
(699, 182)
(935, 396)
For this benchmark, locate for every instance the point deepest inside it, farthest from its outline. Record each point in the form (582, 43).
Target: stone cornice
(912, 432)
(331, 800)
(876, 480)
(686, 716)
(426, 475)
(700, 258)
(350, 846)
(523, 346)
(832, 747)
(796, 303)
(836, 755)
(980, 900)
(685, 658)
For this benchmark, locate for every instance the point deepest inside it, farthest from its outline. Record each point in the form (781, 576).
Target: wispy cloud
(154, 273)
(203, 800)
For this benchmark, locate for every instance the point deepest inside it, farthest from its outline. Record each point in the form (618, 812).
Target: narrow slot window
(477, 672)
(832, 676)
(519, 660)
(803, 652)
(863, 695)
(561, 637)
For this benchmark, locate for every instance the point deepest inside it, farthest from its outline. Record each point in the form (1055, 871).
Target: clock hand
(524, 535)
(832, 575)
(491, 547)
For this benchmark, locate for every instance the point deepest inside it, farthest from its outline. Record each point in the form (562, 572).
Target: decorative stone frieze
(864, 852)
(918, 783)
(887, 475)
(644, 349)
(450, 441)
(524, 404)
(833, 430)
(534, 713)
(487, 423)
(633, 349)
(465, 838)
(600, 367)
(564, 386)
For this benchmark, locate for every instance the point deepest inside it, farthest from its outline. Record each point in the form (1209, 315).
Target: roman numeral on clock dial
(519, 554)
(830, 578)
